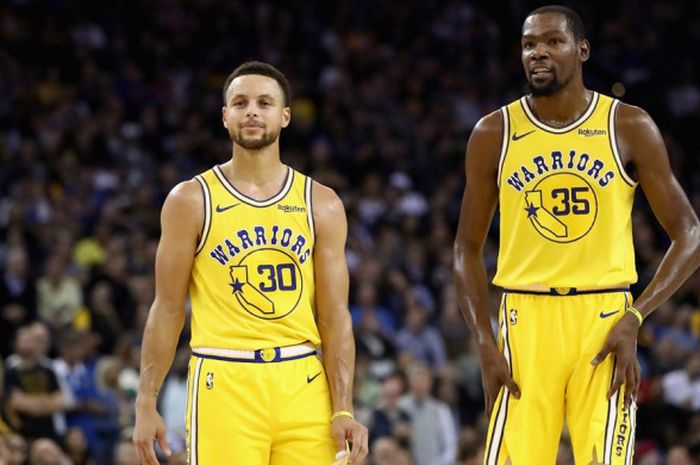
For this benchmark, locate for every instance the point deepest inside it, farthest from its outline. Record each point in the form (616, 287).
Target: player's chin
(254, 143)
(543, 88)
(541, 81)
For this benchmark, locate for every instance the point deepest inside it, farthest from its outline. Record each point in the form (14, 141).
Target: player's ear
(223, 117)
(584, 50)
(286, 116)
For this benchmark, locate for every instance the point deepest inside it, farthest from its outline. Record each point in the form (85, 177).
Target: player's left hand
(347, 429)
(622, 341)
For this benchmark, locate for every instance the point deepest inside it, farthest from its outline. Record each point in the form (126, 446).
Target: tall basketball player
(259, 247)
(563, 163)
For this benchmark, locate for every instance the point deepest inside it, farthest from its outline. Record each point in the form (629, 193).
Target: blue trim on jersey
(258, 357)
(615, 146)
(308, 196)
(505, 142)
(282, 193)
(534, 119)
(207, 209)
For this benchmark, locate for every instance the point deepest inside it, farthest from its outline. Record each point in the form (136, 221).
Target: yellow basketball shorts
(549, 342)
(258, 413)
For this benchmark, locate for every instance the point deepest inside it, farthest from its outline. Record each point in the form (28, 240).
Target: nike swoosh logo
(220, 209)
(311, 378)
(605, 315)
(518, 137)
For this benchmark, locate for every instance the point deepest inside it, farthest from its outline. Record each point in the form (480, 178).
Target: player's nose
(540, 51)
(251, 109)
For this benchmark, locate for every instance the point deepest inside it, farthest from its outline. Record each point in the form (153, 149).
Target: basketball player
(563, 163)
(260, 249)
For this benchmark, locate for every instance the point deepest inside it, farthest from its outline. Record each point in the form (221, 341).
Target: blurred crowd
(105, 106)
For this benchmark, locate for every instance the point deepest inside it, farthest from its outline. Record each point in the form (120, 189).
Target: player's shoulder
(325, 199)
(328, 209)
(631, 119)
(631, 114)
(485, 141)
(490, 124)
(186, 192)
(184, 204)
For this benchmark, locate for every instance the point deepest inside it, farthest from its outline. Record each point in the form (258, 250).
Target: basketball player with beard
(259, 248)
(563, 163)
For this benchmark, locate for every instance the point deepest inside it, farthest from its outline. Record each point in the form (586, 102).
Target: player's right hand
(345, 429)
(494, 375)
(149, 428)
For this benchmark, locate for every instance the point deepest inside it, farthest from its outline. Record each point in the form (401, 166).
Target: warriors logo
(267, 283)
(558, 213)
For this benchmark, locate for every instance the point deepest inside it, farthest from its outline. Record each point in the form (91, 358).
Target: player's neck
(562, 108)
(259, 174)
(255, 166)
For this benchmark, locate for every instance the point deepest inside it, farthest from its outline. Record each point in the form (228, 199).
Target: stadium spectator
(433, 431)
(682, 387)
(34, 396)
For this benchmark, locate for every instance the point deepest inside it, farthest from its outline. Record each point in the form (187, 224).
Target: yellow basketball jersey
(565, 201)
(252, 280)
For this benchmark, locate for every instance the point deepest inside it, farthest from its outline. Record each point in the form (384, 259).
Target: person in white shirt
(682, 387)
(433, 431)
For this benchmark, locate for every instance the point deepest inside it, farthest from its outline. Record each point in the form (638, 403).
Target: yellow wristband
(342, 413)
(636, 313)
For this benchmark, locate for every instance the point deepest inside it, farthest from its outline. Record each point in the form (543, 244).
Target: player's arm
(478, 205)
(181, 220)
(333, 316)
(641, 143)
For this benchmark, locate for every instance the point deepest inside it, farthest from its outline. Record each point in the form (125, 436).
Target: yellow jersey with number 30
(565, 201)
(252, 280)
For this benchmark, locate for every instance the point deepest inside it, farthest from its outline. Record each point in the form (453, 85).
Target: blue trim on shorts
(567, 291)
(258, 358)
(607, 447)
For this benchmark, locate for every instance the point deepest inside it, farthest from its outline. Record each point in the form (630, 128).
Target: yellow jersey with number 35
(565, 201)
(252, 282)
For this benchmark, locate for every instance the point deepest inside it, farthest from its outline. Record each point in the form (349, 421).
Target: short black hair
(262, 69)
(573, 20)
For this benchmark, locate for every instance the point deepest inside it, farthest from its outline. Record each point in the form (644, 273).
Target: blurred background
(105, 106)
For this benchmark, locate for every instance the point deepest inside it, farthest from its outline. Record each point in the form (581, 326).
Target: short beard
(549, 89)
(266, 140)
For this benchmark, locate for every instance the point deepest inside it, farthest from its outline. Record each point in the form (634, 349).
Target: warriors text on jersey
(253, 277)
(565, 201)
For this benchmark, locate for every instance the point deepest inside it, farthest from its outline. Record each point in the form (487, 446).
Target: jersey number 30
(282, 276)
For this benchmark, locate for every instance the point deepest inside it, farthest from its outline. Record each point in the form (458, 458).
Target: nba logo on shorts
(513, 316)
(210, 380)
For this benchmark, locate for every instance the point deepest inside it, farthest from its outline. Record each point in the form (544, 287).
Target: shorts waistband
(566, 291)
(268, 355)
